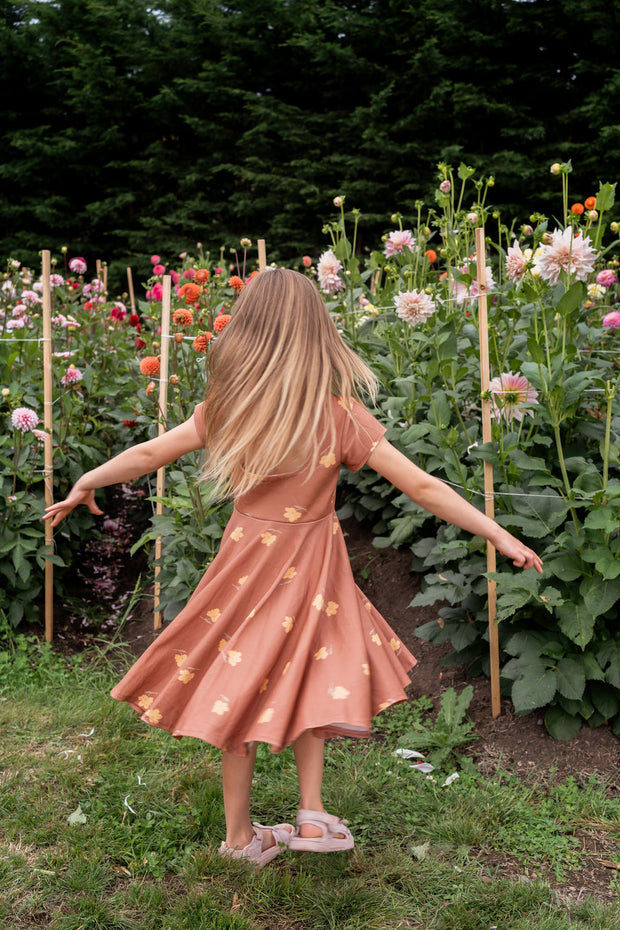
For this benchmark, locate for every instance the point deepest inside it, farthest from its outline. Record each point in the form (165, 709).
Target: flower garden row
(409, 308)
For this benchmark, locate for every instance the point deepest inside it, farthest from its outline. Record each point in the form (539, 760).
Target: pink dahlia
(510, 395)
(397, 241)
(24, 419)
(56, 280)
(612, 320)
(71, 376)
(40, 435)
(327, 271)
(606, 277)
(516, 261)
(77, 265)
(159, 269)
(461, 292)
(566, 252)
(414, 306)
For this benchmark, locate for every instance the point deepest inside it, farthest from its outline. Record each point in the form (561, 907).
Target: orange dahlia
(191, 293)
(201, 276)
(236, 283)
(577, 208)
(201, 341)
(431, 255)
(221, 320)
(590, 203)
(183, 317)
(150, 366)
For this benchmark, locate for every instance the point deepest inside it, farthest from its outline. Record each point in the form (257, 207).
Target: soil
(520, 745)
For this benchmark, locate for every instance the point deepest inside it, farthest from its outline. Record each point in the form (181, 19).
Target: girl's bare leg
(309, 752)
(237, 772)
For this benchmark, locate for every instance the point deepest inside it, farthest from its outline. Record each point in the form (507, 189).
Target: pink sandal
(254, 852)
(336, 836)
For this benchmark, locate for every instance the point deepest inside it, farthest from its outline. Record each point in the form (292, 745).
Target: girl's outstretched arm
(138, 460)
(439, 498)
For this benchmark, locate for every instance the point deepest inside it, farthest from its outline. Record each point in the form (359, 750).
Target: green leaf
(608, 657)
(561, 725)
(606, 196)
(571, 680)
(576, 622)
(572, 299)
(536, 689)
(599, 594)
(603, 518)
(605, 698)
(565, 567)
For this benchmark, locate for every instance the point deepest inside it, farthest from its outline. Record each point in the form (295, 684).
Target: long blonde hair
(270, 377)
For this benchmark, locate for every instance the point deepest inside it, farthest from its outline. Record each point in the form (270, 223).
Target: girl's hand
(522, 556)
(57, 512)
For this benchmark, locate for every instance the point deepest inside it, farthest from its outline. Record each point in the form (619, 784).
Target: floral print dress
(277, 638)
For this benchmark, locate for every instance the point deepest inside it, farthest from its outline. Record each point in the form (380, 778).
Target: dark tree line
(129, 128)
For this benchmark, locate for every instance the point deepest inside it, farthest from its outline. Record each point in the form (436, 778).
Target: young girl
(277, 644)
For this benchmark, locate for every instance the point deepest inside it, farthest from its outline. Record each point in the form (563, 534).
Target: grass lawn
(107, 824)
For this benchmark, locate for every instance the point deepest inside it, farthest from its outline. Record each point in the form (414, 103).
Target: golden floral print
(327, 460)
(220, 708)
(366, 668)
(289, 573)
(222, 645)
(153, 715)
(268, 538)
(322, 653)
(237, 533)
(291, 514)
(288, 623)
(318, 602)
(234, 658)
(214, 614)
(263, 687)
(332, 608)
(339, 693)
(335, 527)
(242, 580)
(266, 715)
(180, 658)
(185, 676)
(368, 606)
(145, 701)
(376, 638)
(285, 669)
(395, 644)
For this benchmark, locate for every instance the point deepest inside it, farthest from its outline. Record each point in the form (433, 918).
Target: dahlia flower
(565, 252)
(461, 292)
(24, 419)
(19, 311)
(150, 366)
(77, 265)
(510, 393)
(71, 376)
(221, 320)
(517, 261)
(201, 341)
(596, 291)
(157, 292)
(183, 318)
(19, 323)
(236, 283)
(327, 271)
(606, 277)
(40, 435)
(202, 276)
(397, 241)
(56, 280)
(414, 306)
(612, 320)
(159, 269)
(30, 297)
(190, 293)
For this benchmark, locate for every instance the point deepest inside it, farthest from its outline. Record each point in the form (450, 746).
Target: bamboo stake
(262, 255)
(132, 298)
(163, 411)
(48, 470)
(489, 509)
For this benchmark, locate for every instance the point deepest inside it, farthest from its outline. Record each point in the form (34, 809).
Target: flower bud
(527, 230)
(491, 181)
(445, 186)
(5, 392)
(245, 243)
(547, 239)
(555, 168)
(472, 217)
(338, 201)
(173, 380)
(592, 216)
(614, 227)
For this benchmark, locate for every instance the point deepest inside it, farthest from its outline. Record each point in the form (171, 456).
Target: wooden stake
(489, 509)
(48, 470)
(163, 416)
(262, 255)
(132, 299)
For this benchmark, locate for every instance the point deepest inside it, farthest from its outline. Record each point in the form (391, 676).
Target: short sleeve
(199, 422)
(360, 435)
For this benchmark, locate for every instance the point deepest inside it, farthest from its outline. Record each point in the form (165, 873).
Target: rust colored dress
(277, 638)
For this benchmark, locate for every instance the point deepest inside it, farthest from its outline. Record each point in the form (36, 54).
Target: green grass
(484, 852)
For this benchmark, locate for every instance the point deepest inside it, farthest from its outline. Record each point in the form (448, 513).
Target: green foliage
(449, 732)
